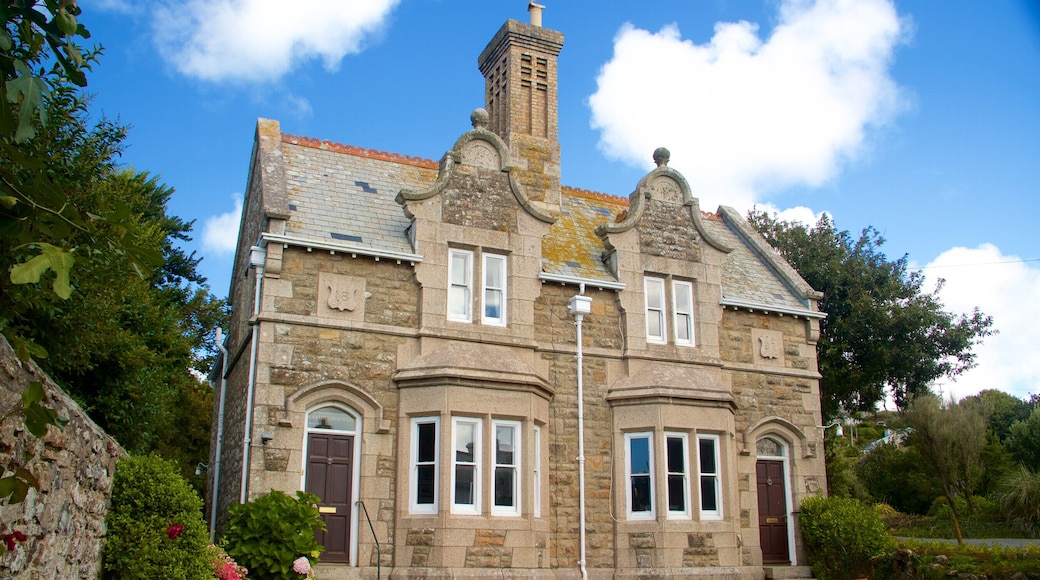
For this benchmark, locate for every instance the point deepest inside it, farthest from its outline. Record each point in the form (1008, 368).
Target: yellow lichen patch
(572, 247)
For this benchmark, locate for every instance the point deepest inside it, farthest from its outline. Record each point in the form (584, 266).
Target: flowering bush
(302, 565)
(155, 527)
(272, 533)
(225, 567)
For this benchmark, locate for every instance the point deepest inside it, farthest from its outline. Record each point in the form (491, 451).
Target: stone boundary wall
(65, 519)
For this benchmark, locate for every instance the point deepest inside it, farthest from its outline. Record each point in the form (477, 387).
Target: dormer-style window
(682, 306)
(494, 270)
(681, 303)
(655, 321)
(493, 291)
(460, 285)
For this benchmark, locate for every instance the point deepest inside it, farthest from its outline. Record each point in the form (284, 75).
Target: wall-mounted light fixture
(839, 432)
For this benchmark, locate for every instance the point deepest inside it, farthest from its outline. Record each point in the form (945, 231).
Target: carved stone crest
(768, 346)
(342, 297)
(481, 154)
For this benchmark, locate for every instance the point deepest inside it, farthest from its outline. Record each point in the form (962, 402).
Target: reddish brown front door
(330, 472)
(772, 511)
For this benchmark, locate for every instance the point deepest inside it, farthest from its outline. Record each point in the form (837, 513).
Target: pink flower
(9, 539)
(174, 531)
(225, 568)
(301, 565)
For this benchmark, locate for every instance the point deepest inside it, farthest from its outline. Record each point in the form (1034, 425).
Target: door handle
(326, 510)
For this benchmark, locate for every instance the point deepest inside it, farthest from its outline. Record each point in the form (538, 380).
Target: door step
(788, 572)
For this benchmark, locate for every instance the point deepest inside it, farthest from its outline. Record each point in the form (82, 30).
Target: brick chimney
(519, 68)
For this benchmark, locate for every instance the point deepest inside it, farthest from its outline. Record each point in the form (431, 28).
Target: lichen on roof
(572, 247)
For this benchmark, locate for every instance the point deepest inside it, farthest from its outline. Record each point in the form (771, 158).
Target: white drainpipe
(579, 306)
(219, 338)
(257, 257)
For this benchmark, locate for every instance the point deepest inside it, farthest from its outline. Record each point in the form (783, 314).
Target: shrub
(269, 533)
(941, 507)
(835, 527)
(899, 477)
(1019, 501)
(155, 525)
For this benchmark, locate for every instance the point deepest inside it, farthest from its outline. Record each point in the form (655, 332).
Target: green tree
(883, 330)
(1001, 409)
(951, 438)
(842, 479)
(1024, 441)
(98, 288)
(899, 477)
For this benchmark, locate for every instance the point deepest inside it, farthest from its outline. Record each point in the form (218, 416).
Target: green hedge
(839, 530)
(155, 525)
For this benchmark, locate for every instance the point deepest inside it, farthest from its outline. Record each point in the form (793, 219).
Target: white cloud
(258, 40)
(220, 232)
(119, 6)
(741, 114)
(800, 214)
(301, 106)
(1007, 289)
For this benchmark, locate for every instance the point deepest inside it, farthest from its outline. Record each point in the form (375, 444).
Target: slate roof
(346, 195)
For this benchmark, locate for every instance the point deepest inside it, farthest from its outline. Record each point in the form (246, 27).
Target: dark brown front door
(772, 511)
(330, 472)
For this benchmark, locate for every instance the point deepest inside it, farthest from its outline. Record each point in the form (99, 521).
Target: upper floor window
(654, 290)
(460, 285)
(655, 321)
(639, 468)
(423, 497)
(493, 291)
(682, 306)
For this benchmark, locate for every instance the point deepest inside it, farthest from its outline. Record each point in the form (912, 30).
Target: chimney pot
(536, 13)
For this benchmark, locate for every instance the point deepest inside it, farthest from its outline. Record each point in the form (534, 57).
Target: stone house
(409, 340)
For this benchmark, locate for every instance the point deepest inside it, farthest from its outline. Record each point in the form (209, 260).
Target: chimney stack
(519, 68)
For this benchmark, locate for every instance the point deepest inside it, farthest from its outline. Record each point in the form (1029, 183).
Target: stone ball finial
(661, 156)
(480, 118)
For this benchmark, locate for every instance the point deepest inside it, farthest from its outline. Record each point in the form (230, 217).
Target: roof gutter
(767, 308)
(267, 238)
(581, 282)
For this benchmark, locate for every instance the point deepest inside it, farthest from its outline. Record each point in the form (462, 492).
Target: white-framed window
(460, 285)
(639, 469)
(465, 465)
(677, 467)
(708, 464)
(537, 479)
(682, 307)
(653, 289)
(494, 289)
(506, 461)
(425, 450)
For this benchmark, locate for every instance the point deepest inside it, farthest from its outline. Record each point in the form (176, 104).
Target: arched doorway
(774, 498)
(330, 473)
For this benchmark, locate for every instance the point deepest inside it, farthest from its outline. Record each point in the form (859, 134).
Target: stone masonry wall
(311, 353)
(65, 519)
(601, 330)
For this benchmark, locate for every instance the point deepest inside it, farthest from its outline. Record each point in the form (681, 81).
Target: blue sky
(919, 118)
